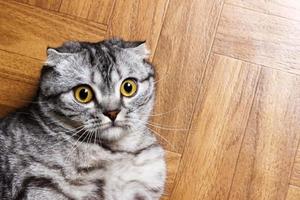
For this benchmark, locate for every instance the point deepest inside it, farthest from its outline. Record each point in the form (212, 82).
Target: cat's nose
(112, 115)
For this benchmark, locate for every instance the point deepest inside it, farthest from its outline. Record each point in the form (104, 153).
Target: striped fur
(57, 148)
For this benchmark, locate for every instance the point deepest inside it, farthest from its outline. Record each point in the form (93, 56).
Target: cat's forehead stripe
(104, 62)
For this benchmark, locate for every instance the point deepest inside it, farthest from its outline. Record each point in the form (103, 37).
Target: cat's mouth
(96, 132)
(111, 125)
(108, 126)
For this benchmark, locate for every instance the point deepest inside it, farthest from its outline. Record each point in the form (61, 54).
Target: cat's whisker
(159, 126)
(81, 128)
(71, 130)
(75, 144)
(157, 114)
(90, 137)
(86, 146)
(160, 114)
(156, 133)
(95, 135)
(164, 77)
(59, 122)
(167, 128)
(77, 130)
(164, 139)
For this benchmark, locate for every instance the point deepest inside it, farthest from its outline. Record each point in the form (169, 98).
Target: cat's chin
(112, 133)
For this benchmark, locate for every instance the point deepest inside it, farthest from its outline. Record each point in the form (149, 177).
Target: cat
(84, 136)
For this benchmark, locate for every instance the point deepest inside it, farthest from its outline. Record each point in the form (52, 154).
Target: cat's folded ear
(139, 48)
(54, 57)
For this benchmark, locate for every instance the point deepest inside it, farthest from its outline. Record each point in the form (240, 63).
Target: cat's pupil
(128, 87)
(83, 94)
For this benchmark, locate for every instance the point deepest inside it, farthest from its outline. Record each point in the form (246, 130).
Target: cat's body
(60, 149)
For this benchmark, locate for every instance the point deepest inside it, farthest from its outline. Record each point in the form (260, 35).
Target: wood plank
(78, 8)
(19, 76)
(295, 178)
(20, 68)
(283, 8)
(293, 193)
(101, 10)
(138, 20)
(95, 10)
(180, 61)
(270, 143)
(267, 40)
(29, 30)
(217, 130)
(22, 1)
(173, 160)
(14, 93)
(46, 4)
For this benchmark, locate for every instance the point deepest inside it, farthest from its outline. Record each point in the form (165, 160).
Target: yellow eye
(128, 88)
(83, 94)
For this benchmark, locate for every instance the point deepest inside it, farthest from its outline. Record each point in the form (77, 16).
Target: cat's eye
(83, 94)
(128, 88)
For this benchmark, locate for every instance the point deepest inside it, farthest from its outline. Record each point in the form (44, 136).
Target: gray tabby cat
(85, 136)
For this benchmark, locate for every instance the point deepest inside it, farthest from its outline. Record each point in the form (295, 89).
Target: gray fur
(57, 148)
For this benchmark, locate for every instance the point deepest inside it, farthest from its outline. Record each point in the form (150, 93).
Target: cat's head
(105, 87)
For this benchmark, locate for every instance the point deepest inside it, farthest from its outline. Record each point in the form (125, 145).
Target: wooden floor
(228, 72)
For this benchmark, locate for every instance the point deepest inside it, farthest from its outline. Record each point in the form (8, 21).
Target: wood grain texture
(22, 1)
(138, 20)
(180, 61)
(295, 178)
(78, 8)
(293, 193)
(14, 93)
(19, 77)
(283, 8)
(46, 4)
(19, 68)
(219, 123)
(28, 30)
(94, 10)
(270, 143)
(267, 40)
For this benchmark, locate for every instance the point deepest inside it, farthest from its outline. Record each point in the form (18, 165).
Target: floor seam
(245, 130)
(197, 99)
(253, 63)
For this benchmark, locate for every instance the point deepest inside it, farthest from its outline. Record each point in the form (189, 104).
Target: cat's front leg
(150, 173)
(141, 179)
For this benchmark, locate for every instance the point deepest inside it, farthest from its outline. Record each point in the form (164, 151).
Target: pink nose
(112, 115)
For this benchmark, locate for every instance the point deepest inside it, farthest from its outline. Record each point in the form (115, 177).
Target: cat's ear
(67, 49)
(139, 48)
(142, 50)
(54, 57)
